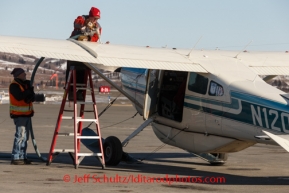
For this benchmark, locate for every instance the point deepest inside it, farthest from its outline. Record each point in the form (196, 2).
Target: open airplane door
(151, 94)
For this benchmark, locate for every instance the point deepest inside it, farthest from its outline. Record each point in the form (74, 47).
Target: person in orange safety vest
(21, 110)
(86, 27)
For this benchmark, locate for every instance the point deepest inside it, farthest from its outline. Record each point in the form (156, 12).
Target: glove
(79, 22)
(29, 95)
(94, 38)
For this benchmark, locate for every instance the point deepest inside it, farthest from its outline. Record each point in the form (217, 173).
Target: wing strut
(137, 131)
(267, 78)
(114, 85)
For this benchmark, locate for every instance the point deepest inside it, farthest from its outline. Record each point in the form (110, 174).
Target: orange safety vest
(20, 108)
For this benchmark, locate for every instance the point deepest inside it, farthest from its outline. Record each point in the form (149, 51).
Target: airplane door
(214, 108)
(151, 94)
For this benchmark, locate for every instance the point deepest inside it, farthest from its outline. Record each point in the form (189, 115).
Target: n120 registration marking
(270, 118)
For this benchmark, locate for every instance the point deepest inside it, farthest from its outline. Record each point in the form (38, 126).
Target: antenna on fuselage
(243, 49)
(189, 54)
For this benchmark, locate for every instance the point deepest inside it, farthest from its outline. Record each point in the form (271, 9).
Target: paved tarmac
(259, 168)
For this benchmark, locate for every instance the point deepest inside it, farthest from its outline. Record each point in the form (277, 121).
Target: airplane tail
(282, 140)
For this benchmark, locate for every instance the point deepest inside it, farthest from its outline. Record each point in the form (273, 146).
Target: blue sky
(226, 24)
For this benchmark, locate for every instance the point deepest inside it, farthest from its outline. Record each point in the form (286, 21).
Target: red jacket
(83, 26)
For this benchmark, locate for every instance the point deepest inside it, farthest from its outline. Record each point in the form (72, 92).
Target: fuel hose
(31, 128)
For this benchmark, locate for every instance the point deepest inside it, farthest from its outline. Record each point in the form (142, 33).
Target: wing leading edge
(107, 55)
(58, 49)
(100, 54)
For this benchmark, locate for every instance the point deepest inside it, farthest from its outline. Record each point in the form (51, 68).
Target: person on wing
(21, 110)
(86, 27)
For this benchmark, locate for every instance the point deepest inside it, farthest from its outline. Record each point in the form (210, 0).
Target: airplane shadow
(155, 164)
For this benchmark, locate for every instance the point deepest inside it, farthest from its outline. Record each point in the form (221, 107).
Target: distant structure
(56, 79)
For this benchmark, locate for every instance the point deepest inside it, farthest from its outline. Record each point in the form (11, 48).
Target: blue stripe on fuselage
(260, 101)
(135, 70)
(255, 110)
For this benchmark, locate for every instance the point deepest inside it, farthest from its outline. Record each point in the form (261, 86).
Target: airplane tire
(112, 151)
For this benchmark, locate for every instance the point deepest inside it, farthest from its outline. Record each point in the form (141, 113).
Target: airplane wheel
(112, 151)
(222, 158)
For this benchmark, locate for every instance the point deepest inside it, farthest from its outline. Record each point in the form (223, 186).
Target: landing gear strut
(221, 158)
(215, 159)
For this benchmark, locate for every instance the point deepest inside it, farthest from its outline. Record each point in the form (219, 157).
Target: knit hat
(17, 71)
(94, 12)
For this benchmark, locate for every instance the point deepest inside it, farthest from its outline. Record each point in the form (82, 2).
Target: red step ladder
(75, 153)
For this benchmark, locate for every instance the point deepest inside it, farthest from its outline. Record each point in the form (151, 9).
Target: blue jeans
(23, 125)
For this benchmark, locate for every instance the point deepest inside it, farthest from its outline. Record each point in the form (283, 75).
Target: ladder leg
(75, 120)
(96, 117)
(58, 123)
(79, 130)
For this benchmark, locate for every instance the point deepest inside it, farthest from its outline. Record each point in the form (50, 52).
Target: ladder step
(89, 154)
(79, 154)
(87, 137)
(68, 117)
(63, 150)
(84, 103)
(78, 136)
(81, 88)
(77, 84)
(65, 134)
(86, 120)
(78, 101)
(81, 102)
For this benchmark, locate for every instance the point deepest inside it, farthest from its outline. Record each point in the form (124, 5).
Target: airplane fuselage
(209, 113)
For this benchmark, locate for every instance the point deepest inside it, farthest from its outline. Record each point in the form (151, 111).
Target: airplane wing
(101, 54)
(108, 55)
(267, 63)
(282, 140)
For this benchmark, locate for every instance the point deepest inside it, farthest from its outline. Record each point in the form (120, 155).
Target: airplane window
(216, 89)
(198, 83)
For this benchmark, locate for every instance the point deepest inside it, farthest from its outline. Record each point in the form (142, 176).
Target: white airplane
(209, 103)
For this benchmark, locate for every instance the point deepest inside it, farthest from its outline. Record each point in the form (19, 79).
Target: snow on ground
(51, 61)
(63, 66)
(3, 62)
